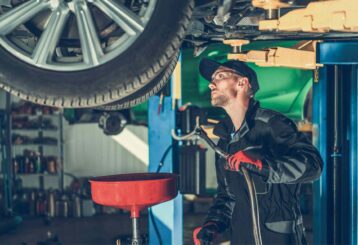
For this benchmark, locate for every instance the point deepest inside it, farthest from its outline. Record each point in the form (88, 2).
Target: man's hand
(240, 158)
(204, 235)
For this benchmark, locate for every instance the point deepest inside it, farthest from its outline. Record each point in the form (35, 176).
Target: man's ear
(242, 81)
(246, 81)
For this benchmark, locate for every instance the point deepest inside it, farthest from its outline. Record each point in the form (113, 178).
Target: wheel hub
(71, 35)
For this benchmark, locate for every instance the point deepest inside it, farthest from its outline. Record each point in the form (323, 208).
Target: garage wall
(89, 152)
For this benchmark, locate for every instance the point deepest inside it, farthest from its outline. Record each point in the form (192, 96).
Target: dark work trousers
(242, 233)
(268, 238)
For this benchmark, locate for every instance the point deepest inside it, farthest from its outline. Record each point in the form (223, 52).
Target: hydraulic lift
(166, 219)
(335, 119)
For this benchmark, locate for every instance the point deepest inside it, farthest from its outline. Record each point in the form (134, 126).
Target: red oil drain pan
(134, 192)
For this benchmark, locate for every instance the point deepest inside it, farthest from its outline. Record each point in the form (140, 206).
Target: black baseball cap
(207, 68)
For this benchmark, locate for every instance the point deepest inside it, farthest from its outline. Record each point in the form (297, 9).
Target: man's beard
(223, 99)
(220, 101)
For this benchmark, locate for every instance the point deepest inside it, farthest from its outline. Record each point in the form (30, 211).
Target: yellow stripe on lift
(176, 83)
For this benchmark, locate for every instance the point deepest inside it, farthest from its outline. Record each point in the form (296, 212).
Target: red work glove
(240, 158)
(204, 235)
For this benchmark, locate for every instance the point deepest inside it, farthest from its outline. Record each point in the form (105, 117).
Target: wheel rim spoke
(46, 45)
(33, 35)
(19, 15)
(90, 44)
(125, 18)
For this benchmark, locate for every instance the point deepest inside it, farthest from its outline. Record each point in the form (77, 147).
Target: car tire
(120, 77)
(144, 93)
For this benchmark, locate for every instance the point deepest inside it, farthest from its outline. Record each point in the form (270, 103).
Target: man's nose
(211, 86)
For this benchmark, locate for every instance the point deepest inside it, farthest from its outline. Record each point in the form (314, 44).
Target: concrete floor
(103, 229)
(96, 230)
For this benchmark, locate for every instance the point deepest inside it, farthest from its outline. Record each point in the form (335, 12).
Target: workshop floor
(97, 230)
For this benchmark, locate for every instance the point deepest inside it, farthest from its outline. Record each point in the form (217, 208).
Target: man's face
(223, 86)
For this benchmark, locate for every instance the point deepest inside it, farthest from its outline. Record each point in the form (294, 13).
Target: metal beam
(318, 16)
(335, 113)
(167, 227)
(331, 212)
(168, 215)
(353, 158)
(337, 53)
(320, 141)
(304, 53)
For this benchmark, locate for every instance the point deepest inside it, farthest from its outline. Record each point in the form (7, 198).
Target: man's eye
(221, 76)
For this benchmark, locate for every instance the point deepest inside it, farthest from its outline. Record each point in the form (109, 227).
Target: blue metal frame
(337, 53)
(168, 216)
(353, 158)
(320, 139)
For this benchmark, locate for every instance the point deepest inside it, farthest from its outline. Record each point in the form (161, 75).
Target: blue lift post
(354, 158)
(168, 216)
(335, 212)
(320, 139)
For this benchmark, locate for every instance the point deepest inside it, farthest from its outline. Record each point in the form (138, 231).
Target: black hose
(155, 226)
(199, 131)
(254, 207)
(161, 162)
(250, 184)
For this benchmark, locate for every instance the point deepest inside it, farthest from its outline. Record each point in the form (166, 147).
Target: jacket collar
(225, 127)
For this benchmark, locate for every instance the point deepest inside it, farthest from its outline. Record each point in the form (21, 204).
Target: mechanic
(278, 157)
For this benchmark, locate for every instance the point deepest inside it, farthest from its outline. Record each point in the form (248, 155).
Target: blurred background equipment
(112, 123)
(191, 154)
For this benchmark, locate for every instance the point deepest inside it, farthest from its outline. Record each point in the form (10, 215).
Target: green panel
(297, 108)
(141, 112)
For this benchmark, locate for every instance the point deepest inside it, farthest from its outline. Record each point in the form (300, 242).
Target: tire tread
(127, 103)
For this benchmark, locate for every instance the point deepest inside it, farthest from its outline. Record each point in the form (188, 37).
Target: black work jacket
(289, 159)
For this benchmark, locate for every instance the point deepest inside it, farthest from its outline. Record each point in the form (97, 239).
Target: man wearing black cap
(278, 157)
